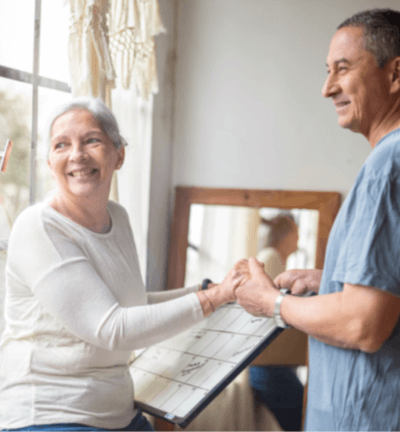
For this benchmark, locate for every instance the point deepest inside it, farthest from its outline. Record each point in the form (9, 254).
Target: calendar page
(176, 379)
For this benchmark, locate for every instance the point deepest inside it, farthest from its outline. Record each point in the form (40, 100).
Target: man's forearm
(359, 317)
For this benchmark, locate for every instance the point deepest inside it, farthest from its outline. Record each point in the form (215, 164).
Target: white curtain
(134, 116)
(112, 56)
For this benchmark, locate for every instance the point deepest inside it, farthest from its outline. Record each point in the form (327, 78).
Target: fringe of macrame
(126, 44)
(91, 67)
(133, 25)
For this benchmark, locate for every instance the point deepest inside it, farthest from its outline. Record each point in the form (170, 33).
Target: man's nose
(330, 87)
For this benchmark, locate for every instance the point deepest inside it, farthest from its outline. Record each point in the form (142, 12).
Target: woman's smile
(83, 173)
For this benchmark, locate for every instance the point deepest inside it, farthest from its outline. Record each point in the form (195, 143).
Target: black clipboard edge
(184, 421)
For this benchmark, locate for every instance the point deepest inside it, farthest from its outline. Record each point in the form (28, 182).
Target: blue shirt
(351, 389)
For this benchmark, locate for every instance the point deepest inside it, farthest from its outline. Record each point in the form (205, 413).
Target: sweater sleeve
(71, 290)
(163, 296)
(87, 308)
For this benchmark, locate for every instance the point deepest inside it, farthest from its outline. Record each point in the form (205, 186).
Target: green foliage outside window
(15, 125)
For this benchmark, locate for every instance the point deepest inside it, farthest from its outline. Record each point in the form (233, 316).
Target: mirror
(219, 236)
(232, 207)
(313, 211)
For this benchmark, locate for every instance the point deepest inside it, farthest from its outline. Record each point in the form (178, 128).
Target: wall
(248, 109)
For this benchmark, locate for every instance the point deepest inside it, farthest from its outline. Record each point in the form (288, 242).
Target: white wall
(248, 110)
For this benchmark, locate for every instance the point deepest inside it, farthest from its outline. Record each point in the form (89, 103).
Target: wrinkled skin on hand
(299, 281)
(235, 276)
(256, 292)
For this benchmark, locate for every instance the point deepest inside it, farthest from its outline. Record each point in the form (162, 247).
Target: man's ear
(121, 157)
(394, 70)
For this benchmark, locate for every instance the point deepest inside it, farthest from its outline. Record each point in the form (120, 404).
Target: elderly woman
(75, 303)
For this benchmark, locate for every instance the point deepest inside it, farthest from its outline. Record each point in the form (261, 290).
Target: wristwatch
(277, 309)
(204, 284)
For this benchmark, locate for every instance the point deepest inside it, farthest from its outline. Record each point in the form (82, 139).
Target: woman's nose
(78, 152)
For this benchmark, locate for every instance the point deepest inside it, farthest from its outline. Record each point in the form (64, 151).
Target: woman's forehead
(74, 120)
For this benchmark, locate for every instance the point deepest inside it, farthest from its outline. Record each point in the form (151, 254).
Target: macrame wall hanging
(110, 38)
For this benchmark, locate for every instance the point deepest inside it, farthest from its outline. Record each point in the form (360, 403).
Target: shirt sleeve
(370, 250)
(74, 294)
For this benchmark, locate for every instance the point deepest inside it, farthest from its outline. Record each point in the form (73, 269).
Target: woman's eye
(59, 145)
(92, 140)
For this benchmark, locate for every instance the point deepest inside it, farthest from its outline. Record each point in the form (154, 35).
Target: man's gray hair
(100, 112)
(381, 28)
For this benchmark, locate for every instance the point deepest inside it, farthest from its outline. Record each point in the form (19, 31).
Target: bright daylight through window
(33, 81)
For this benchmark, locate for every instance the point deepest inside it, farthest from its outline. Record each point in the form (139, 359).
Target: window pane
(54, 40)
(15, 124)
(16, 33)
(48, 100)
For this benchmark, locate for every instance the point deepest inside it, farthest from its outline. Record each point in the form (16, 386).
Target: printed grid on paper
(176, 375)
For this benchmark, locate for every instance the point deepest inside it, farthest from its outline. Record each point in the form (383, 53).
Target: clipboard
(176, 379)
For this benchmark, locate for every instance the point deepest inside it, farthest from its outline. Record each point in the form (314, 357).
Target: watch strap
(277, 309)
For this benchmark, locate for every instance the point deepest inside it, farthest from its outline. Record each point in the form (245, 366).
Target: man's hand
(299, 281)
(224, 292)
(256, 292)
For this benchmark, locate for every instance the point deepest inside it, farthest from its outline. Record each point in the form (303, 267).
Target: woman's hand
(239, 272)
(219, 294)
(299, 281)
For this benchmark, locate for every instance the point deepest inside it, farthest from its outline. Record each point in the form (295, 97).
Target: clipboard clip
(5, 155)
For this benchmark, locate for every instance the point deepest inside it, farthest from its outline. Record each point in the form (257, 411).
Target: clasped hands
(249, 285)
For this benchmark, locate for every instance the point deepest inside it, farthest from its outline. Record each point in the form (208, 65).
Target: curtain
(112, 56)
(134, 116)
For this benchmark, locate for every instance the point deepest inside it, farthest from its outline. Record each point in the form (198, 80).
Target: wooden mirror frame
(327, 204)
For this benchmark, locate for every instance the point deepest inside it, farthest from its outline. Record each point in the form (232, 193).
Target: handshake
(249, 285)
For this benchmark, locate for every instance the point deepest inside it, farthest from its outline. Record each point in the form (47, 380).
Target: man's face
(358, 87)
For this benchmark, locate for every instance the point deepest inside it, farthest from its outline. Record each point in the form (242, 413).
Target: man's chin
(346, 124)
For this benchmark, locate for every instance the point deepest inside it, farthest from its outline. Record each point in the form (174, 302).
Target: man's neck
(374, 138)
(385, 125)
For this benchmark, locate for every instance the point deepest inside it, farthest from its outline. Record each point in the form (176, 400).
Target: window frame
(36, 81)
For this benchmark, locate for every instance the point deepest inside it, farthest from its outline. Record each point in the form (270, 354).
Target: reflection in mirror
(219, 235)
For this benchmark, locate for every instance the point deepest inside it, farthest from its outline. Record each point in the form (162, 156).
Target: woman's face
(82, 157)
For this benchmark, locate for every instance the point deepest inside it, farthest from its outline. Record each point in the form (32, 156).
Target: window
(33, 81)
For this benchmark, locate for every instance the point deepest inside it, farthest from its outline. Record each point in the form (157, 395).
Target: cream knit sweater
(75, 308)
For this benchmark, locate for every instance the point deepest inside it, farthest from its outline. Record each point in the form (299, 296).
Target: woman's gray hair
(100, 112)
